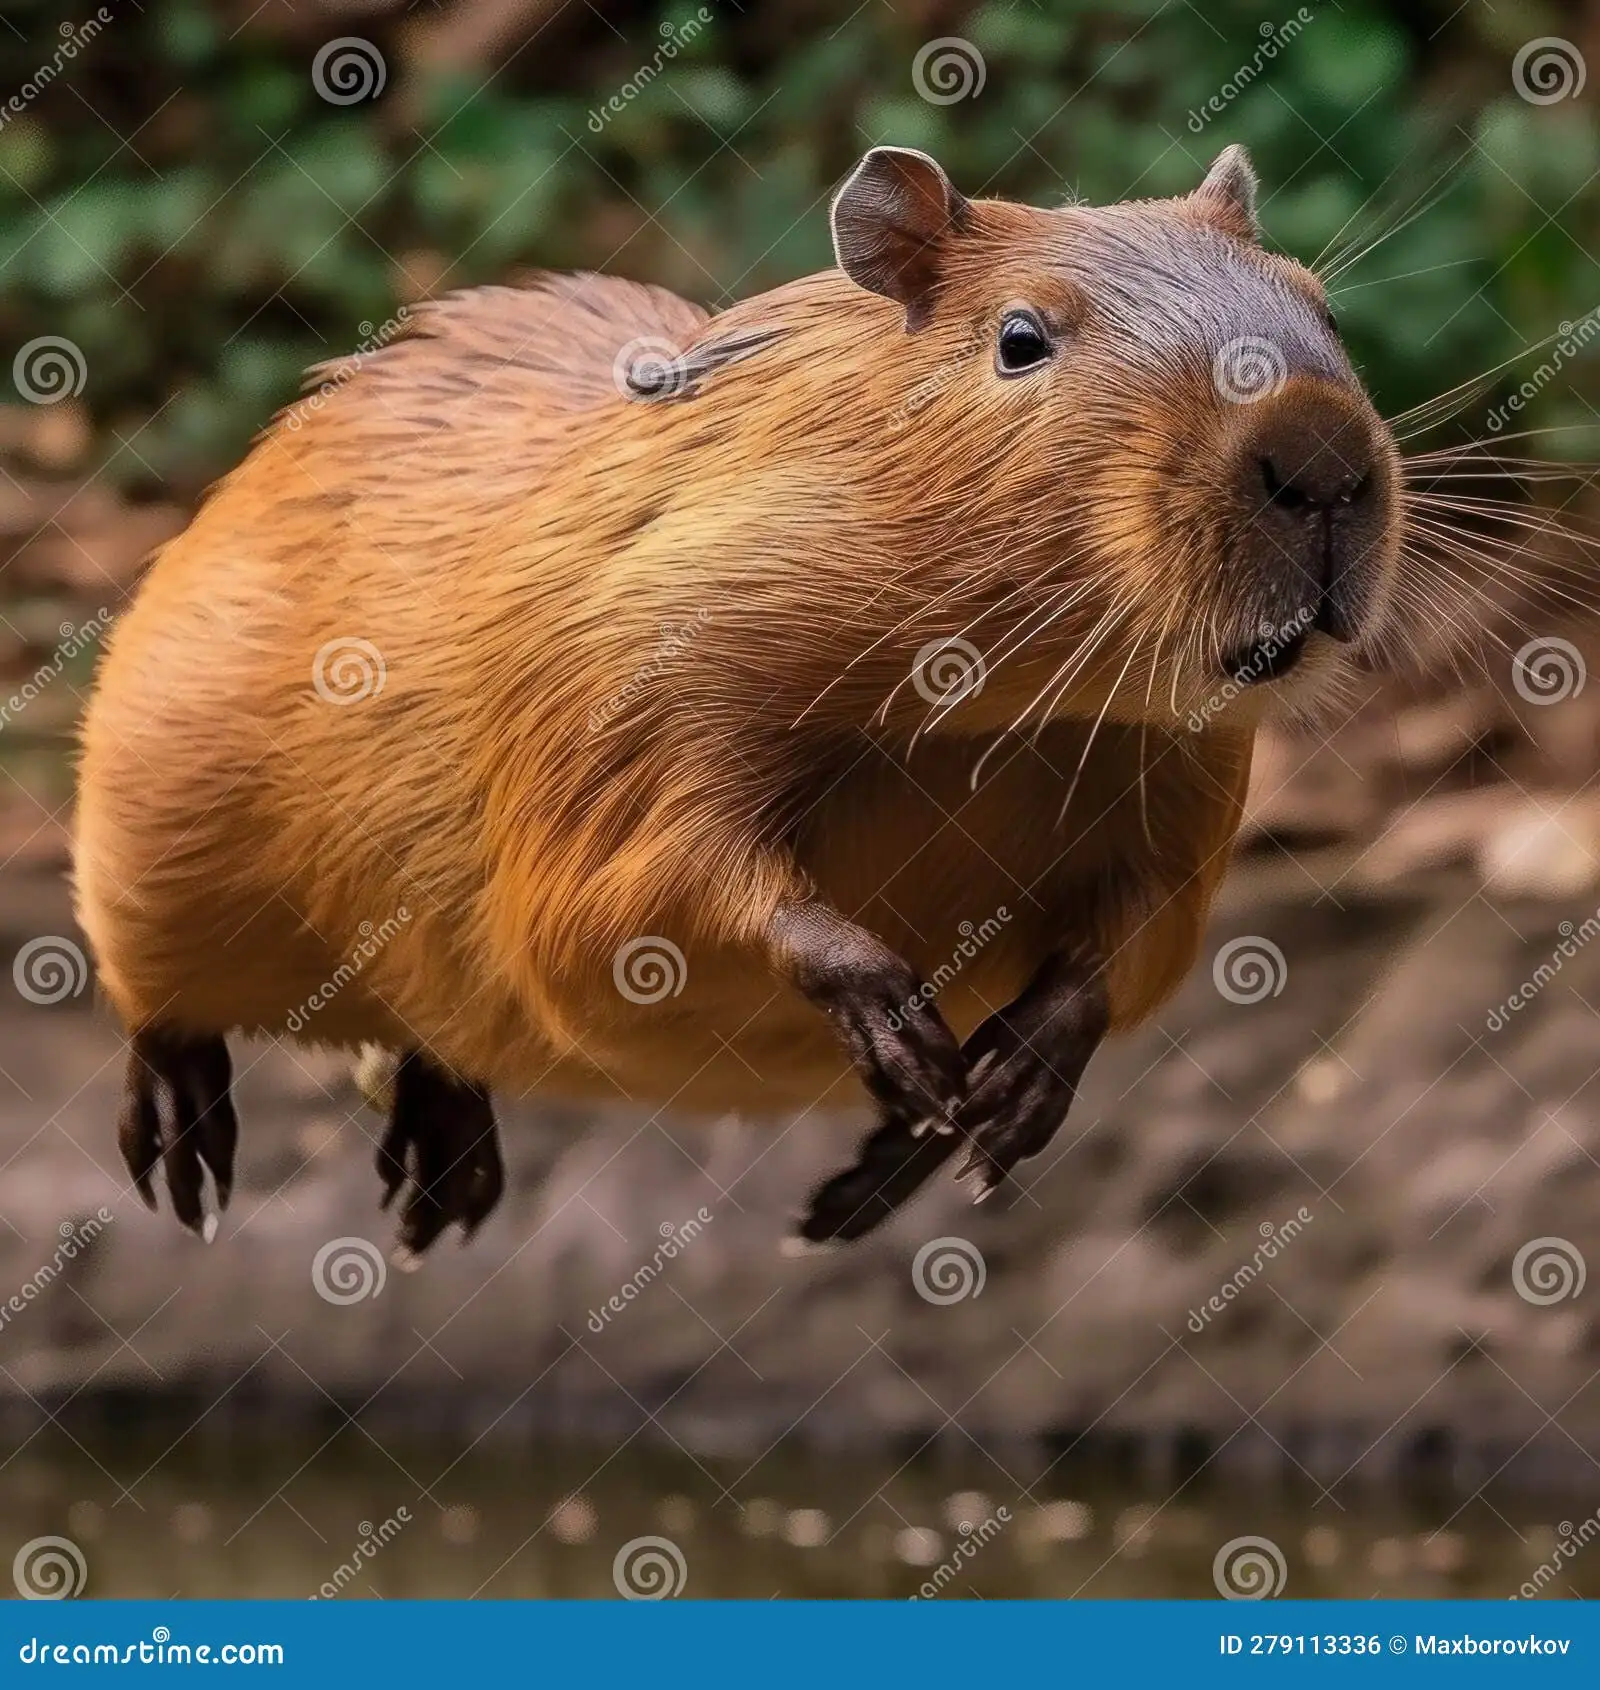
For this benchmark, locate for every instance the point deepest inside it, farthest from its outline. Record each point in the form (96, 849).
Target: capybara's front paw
(1015, 1106)
(908, 1058)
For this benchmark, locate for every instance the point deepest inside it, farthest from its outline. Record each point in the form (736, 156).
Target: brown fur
(480, 502)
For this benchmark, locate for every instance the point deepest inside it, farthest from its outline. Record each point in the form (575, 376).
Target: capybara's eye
(1329, 318)
(1023, 343)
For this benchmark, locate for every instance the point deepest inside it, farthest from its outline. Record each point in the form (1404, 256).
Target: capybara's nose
(1310, 479)
(1305, 470)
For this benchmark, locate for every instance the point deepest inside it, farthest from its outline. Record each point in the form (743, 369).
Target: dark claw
(180, 1157)
(441, 1139)
(139, 1128)
(217, 1126)
(1012, 1114)
(427, 1211)
(488, 1183)
(391, 1160)
(1029, 1059)
(178, 1112)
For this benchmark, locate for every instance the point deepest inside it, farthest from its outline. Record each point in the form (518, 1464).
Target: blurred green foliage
(182, 204)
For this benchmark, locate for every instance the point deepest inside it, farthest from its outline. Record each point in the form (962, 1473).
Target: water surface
(177, 1516)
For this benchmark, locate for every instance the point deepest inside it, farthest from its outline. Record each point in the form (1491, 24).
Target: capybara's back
(326, 574)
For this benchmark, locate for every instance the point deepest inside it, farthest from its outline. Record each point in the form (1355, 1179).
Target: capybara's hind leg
(178, 1113)
(442, 1137)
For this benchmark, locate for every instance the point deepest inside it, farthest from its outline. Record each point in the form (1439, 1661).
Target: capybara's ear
(1229, 192)
(892, 221)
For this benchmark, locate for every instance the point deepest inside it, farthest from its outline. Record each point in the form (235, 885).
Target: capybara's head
(1134, 433)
